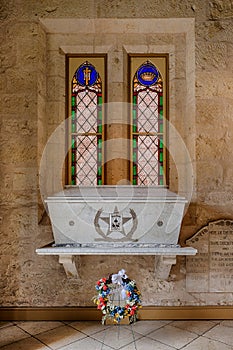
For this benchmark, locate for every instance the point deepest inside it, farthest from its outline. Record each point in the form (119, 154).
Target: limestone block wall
(33, 104)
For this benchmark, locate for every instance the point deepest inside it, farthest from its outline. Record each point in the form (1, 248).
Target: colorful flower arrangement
(129, 293)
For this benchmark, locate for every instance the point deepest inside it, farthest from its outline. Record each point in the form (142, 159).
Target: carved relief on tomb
(115, 230)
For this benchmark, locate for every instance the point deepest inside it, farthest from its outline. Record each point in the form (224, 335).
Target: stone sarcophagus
(116, 220)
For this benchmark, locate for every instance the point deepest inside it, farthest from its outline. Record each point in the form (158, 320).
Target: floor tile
(26, 344)
(146, 327)
(116, 336)
(144, 335)
(194, 326)
(173, 336)
(147, 344)
(88, 328)
(227, 323)
(5, 324)
(203, 343)
(36, 327)
(60, 336)
(86, 344)
(221, 333)
(11, 334)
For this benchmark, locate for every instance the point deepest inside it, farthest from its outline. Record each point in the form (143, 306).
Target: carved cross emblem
(87, 75)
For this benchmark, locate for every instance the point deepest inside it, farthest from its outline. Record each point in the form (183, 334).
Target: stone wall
(31, 110)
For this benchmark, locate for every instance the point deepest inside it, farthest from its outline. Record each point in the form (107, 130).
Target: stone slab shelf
(165, 254)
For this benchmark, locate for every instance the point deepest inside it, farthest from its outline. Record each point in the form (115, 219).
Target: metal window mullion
(86, 134)
(148, 133)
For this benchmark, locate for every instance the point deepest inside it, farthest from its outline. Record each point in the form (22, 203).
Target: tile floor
(144, 335)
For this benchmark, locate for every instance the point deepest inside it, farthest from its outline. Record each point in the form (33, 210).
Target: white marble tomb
(116, 220)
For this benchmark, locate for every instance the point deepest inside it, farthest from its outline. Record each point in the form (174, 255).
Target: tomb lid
(119, 193)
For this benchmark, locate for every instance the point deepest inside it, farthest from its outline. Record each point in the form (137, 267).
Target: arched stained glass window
(87, 135)
(148, 155)
(86, 126)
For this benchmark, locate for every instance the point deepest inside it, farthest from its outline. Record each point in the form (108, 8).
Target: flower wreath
(129, 293)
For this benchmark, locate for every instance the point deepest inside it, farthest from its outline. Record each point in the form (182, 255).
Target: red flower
(101, 299)
(105, 287)
(133, 310)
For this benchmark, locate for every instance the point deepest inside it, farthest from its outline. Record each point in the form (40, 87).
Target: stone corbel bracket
(165, 257)
(163, 264)
(69, 265)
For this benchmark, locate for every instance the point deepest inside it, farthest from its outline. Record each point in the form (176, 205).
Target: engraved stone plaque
(211, 270)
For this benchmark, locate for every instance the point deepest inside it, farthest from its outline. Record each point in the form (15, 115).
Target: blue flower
(121, 311)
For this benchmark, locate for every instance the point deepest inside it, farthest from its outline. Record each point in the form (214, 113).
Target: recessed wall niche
(117, 38)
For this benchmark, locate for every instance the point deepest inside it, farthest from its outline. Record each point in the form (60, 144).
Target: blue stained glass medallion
(86, 74)
(147, 74)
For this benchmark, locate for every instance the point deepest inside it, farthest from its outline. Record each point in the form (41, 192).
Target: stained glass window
(86, 126)
(148, 86)
(147, 126)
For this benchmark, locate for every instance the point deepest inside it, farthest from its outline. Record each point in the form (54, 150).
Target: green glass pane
(134, 114)
(161, 182)
(73, 128)
(72, 182)
(161, 157)
(134, 143)
(73, 157)
(134, 157)
(73, 114)
(99, 182)
(100, 143)
(134, 182)
(72, 170)
(161, 100)
(161, 170)
(161, 128)
(99, 171)
(100, 100)
(99, 129)
(134, 122)
(100, 157)
(134, 100)
(134, 170)
(161, 114)
(73, 101)
(100, 114)
(160, 144)
(73, 143)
